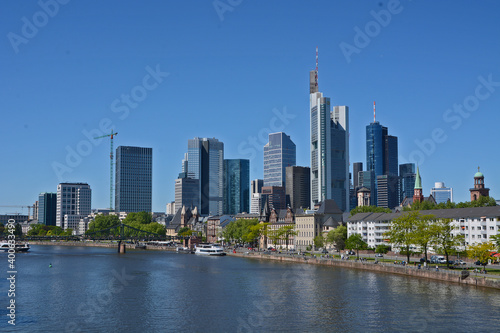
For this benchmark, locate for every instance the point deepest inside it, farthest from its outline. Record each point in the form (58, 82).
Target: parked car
(422, 260)
(479, 263)
(460, 262)
(324, 251)
(380, 255)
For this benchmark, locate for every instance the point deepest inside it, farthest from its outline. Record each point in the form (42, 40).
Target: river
(93, 289)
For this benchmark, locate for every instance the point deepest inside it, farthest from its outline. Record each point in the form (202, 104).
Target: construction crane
(22, 207)
(110, 167)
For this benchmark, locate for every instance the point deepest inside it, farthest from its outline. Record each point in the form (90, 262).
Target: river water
(92, 289)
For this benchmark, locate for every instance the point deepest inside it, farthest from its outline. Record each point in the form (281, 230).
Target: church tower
(479, 190)
(417, 191)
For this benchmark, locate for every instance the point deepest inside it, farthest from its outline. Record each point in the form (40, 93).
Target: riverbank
(463, 277)
(102, 244)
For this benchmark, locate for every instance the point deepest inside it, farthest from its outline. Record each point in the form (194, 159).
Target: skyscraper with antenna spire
(329, 147)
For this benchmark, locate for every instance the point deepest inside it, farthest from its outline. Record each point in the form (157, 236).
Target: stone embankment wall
(443, 275)
(98, 244)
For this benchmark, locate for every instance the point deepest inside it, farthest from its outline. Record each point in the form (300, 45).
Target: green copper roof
(478, 175)
(418, 181)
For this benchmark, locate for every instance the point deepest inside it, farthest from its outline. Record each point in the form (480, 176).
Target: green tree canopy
(338, 237)
(102, 222)
(239, 231)
(444, 239)
(481, 252)
(423, 233)
(403, 230)
(369, 209)
(319, 241)
(138, 218)
(356, 242)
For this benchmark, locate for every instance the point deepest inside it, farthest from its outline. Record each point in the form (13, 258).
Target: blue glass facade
(47, 208)
(406, 181)
(236, 186)
(279, 153)
(133, 190)
(205, 161)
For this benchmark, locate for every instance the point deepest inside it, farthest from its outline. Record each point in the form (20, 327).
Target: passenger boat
(181, 249)
(210, 250)
(140, 246)
(4, 247)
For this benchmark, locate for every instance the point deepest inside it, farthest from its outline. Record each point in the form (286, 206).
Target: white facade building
(477, 224)
(255, 203)
(73, 202)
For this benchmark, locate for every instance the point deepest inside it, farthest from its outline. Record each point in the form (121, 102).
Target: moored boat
(210, 250)
(4, 247)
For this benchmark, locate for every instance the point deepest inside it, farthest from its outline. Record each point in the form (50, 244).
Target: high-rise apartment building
(441, 193)
(205, 162)
(279, 153)
(298, 186)
(236, 186)
(47, 208)
(73, 203)
(406, 181)
(329, 150)
(134, 173)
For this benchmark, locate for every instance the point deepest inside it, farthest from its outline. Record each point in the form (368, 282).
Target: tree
(481, 252)
(443, 237)
(496, 240)
(140, 218)
(382, 248)
(337, 236)
(184, 232)
(239, 230)
(102, 222)
(319, 241)
(287, 231)
(423, 233)
(369, 209)
(356, 242)
(402, 231)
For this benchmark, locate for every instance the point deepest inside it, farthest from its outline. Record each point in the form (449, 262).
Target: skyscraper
(186, 193)
(47, 208)
(298, 186)
(133, 190)
(406, 181)
(329, 149)
(279, 153)
(206, 162)
(236, 186)
(382, 159)
(356, 168)
(256, 186)
(73, 203)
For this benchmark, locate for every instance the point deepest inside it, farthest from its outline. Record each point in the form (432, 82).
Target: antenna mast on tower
(373, 111)
(316, 78)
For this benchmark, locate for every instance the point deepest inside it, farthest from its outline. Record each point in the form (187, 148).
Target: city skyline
(63, 88)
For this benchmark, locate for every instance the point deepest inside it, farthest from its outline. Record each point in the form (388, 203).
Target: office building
(134, 173)
(275, 196)
(205, 162)
(256, 203)
(256, 186)
(356, 168)
(187, 192)
(329, 149)
(298, 188)
(279, 153)
(382, 157)
(441, 193)
(73, 203)
(236, 186)
(367, 180)
(387, 191)
(47, 208)
(407, 178)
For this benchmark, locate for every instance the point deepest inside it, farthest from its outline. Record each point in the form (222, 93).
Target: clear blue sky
(226, 75)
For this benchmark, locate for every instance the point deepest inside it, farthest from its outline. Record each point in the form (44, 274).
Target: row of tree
(48, 230)
(141, 221)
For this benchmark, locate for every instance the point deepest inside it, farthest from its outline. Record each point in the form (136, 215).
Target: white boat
(182, 249)
(210, 250)
(4, 247)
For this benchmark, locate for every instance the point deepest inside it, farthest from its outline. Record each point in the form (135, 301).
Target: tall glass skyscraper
(205, 161)
(236, 186)
(329, 150)
(134, 170)
(406, 181)
(382, 159)
(279, 153)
